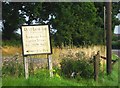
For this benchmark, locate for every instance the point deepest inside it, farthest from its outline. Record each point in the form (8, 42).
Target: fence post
(50, 65)
(26, 72)
(96, 66)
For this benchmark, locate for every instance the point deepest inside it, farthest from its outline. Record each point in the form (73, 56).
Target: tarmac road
(116, 51)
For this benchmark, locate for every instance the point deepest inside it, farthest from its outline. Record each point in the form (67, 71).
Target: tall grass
(11, 50)
(112, 79)
(89, 51)
(0, 82)
(41, 78)
(58, 53)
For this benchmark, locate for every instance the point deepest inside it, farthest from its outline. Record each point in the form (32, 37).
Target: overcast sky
(118, 16)
(0, 25)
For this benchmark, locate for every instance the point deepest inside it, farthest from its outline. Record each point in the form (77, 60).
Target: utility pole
(109, 35)
(104, 40)
(0, 10)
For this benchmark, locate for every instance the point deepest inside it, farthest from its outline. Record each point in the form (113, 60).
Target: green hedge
(116, 45)
(11, 43)
(115, 38)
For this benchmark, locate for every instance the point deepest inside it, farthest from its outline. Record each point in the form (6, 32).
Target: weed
(80, 67)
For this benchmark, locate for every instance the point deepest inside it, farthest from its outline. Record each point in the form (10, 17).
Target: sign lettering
(36, 39)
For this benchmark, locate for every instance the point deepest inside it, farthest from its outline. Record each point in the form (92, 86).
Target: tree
(76, 23)
(11, 19)
(14, 14)
(100, 12)
(116, 10)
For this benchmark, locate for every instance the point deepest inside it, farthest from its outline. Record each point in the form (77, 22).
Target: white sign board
(36, 39)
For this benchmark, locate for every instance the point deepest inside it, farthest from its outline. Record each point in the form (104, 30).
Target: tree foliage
(11, 19)
(14, 14)
(77, 24)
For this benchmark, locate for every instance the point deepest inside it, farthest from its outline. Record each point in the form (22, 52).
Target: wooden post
(104, 40)
(50, 65)
(96, 66)
(0, 11)
(26, 72)
(109, 35)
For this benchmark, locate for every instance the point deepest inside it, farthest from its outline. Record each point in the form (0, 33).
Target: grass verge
(44, 80)
(33, 81)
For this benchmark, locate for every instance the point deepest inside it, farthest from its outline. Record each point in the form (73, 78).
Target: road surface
(116, 51)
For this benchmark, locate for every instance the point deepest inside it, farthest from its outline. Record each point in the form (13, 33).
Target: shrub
(116, 44)
(67, 66)
(115, 38)
(11, 42)
(81, 67)
(42, 73)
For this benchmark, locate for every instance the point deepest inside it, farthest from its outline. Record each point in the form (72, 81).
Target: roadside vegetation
(115, 42)
(63, 67)
(77, 34)
(41, 78)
